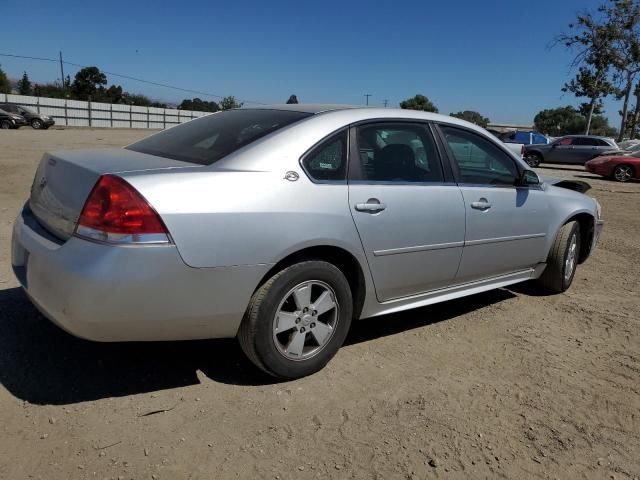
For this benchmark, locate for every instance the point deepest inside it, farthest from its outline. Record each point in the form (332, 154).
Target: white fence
(74, 113)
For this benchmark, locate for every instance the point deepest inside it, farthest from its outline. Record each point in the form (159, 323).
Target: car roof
(354, 113)
(303, 107)
(587, 136)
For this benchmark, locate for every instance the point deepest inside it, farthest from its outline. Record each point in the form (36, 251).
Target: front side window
(210, 138)
(398, 153)
(479, 161)
(328, 161)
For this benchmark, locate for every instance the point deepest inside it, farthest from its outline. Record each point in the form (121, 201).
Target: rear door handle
(481, 204)
(372, 205)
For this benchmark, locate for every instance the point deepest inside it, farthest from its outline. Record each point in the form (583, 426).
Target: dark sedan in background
(571, 149)
(11, 120)
(36, 120)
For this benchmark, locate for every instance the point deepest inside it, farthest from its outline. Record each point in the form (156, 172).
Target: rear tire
(533, 160)
(5, 125)
(286, 330)
(623, 173)
(563, 259)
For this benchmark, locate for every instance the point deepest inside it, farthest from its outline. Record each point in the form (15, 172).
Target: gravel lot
(506, 384)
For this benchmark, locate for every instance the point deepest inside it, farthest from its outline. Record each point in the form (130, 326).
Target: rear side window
(565, 141)
(208, 139)
(328, 161)
(587, 142)
(398, 152)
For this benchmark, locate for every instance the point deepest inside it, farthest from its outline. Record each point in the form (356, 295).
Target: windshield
(208, 139)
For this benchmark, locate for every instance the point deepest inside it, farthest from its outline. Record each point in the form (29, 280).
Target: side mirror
(528, 178)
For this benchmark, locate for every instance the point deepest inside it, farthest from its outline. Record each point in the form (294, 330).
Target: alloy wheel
(305, 320)
(572, 256)
(623, 173)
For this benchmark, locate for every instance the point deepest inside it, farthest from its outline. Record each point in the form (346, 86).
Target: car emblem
(43, 182)
(291, 176)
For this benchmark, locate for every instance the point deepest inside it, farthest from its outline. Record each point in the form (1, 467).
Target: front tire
(563, 259)
(296, 322)
(623, 173)
(36, 124)
(5, 125)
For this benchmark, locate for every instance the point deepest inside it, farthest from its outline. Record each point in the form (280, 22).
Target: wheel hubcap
(572, 255)
(623, 173)
(305, 320)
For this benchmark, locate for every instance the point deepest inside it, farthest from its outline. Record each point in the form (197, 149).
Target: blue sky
(492, 56)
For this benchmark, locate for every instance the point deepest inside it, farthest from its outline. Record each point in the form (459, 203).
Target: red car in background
(618, 167)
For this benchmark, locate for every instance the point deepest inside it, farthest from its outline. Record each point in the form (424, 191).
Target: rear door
(407, 210)
(561, 151)
(505, 223)
(585, 148)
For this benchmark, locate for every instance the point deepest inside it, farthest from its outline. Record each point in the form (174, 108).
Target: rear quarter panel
(226, 218)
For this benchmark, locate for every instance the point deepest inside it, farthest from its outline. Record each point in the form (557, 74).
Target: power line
(367, 95)
(128, 77)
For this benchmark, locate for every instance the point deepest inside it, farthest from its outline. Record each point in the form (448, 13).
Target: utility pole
(367, 95)
(386, 102)
(62, 70)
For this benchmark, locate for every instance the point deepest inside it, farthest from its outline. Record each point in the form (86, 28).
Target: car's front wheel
(36, 124)
(562, 260)
(623, 173)
(5, 124)
(297, 320)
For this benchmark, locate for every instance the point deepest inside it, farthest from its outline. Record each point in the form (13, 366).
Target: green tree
(51, 90)
(568, 121)
(5, 86)
(473, 117)
(292, 100)
(623, 16)
(594, 85)
(198, 105)
(419, 102)
(230, 102)
(87, 82)
(591, 38)
(559, 121)
(24, 85)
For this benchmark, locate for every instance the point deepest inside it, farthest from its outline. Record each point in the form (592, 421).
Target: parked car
(629, 149)
(243, 224)
(11, 120)
(525, 138)
(36, 120)
(571, 149)
(618, 167)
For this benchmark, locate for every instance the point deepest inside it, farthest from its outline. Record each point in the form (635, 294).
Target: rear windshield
(206, 140)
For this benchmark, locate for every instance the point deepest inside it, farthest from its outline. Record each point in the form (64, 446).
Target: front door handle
(372, 205)
(481, 204)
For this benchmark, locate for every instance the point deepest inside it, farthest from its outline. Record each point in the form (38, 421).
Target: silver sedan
(279, 225)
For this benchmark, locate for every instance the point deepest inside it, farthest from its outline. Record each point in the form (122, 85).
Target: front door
(410, 220)
(506, 224)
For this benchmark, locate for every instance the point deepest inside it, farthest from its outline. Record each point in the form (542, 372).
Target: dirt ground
(506, 384)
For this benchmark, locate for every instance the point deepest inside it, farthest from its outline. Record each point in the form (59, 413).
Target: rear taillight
(115, 212)
(522, 150)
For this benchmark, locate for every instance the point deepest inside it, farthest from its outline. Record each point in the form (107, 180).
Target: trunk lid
(64, 180)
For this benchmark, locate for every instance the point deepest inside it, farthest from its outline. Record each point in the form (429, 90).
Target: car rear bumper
(125, 293)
